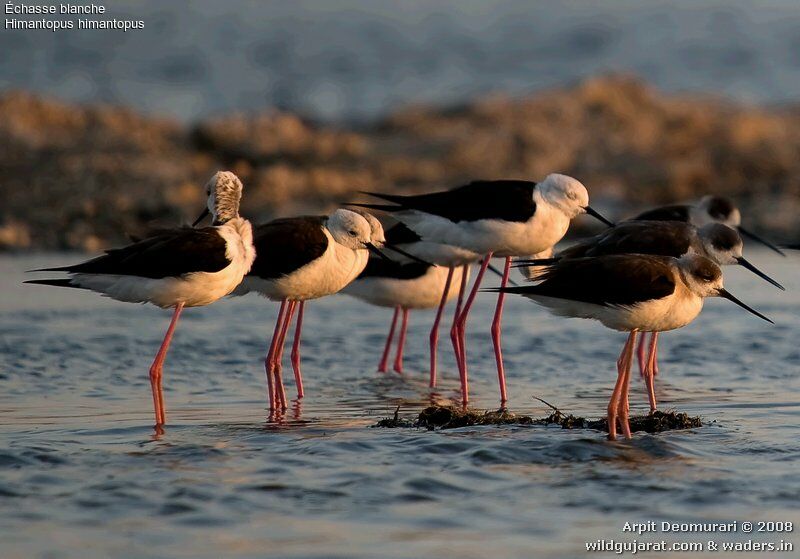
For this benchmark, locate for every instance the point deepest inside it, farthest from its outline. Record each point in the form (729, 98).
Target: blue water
(83, 476)
(356, 59)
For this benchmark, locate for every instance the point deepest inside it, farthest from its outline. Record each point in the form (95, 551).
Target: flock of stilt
(649, 274)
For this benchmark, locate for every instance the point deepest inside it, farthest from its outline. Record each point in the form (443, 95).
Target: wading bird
(174, 268)
(631, 293)
(717, 242)
(492, 218)
(302, 258)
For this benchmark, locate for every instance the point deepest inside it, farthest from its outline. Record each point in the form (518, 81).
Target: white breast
(324, 276)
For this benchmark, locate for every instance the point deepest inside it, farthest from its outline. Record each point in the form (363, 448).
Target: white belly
(326, 275)
(193, 290)
(424, 292)
(503, 238)
(658, 315)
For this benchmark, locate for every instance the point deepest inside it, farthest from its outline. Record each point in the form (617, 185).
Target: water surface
(81, 474)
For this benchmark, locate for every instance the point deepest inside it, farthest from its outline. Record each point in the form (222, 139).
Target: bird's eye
(352, 233)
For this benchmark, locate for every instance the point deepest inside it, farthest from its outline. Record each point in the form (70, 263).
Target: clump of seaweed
(451, 417)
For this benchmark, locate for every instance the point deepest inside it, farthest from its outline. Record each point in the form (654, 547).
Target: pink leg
(462, 328)
(383, 366)
(649, 376)
(157, 366)
(434, 337)
(496, 331)
(454, 329)
(278, 372)
(298, 375)
(655, 357)
(623, 365)
(640, 355)
(401, 342)
(269, 360)
(624, 405)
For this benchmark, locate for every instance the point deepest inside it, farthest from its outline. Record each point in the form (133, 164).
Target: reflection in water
(80, 461)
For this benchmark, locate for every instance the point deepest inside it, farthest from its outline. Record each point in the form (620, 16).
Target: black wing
(509, 200)
(168, 253)
(380, 268)
(660, 238)
(614, 280)
(287, 244)
(678, 212)
(400, 234)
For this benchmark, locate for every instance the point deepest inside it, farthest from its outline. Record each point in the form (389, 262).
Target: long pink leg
(624, 405)
(269, 360)
(625, 357)
(401, 342)
(434, 336)
(640, 355)
(655, 357)
(496, 332)
(462, 328)
(649, 376)
(158, 365)
(454, 328)
(278, 371)
(383, 366)
(298, 375)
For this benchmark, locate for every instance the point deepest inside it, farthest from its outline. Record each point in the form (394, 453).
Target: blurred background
(104, 133)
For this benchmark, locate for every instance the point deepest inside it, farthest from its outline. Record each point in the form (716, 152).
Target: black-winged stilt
(710, 209)
(632, 293)
(717, 242)
(174, 268)
(302, 258)
(492, 218)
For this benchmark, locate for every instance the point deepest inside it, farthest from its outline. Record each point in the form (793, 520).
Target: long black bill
(375, 250)
(758, 239)
(745, 264)
(407, 254)
(201, 218)
(722, 292)
(592, 212)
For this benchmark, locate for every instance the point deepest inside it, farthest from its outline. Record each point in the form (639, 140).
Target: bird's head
(717, 209)
(224, 191)
(568, 195)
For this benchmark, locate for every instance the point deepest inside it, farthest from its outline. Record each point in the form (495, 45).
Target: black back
(661, 238)
(287, 244)
(381, 268)
(167, 253)
(507, 200)
(614, 280)
(400, 234)
(678, 212)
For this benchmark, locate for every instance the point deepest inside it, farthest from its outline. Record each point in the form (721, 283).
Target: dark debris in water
(451, 417)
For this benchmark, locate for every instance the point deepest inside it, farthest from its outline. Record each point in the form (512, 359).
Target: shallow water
(82, 475)
(357, 59)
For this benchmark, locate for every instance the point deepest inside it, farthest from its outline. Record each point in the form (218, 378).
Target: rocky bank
(84, 177)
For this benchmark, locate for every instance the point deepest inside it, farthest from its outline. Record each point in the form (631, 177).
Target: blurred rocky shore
(85, 177)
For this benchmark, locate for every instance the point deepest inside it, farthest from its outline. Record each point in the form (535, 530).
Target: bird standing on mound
(174, 268)
(631, 293)
(717, 242)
